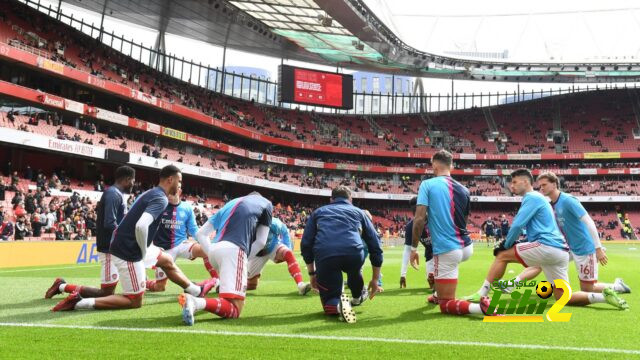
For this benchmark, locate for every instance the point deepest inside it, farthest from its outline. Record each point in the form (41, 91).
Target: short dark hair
(413, 203)
(341, 191)
(168, 171)
(443, 156)
(523, 172)
(124, 172)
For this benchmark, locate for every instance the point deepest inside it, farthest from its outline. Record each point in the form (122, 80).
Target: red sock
(212, 272)
(294, 268)
(221, 307)
(456, 307)
(330, 310)
(69, 288)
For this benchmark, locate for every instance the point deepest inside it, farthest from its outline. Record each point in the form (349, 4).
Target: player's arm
(111, 205)
(203, 235)
(150, 214)
(371, 239)
(419, 221)
(286, 239)
(580, 212)
(308, 240)
(527, 210)
(408, 237)
(192, 226)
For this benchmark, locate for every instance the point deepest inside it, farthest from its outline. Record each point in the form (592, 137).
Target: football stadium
(319, 179)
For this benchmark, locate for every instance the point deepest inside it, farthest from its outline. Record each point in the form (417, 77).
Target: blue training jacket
(339, 229)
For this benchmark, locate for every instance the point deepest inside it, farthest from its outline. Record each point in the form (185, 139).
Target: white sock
(595, 298)
(201, 303)
(86, 304)
(516, 280)
(475, 308)
(193, 289)
(62, 286)
(484, 290)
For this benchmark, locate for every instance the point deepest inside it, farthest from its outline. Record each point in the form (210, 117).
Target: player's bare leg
(197, 252)
(496, 271)
(166, 263)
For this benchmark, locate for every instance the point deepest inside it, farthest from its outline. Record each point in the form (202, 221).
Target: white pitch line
(326, 337)
(50, 268)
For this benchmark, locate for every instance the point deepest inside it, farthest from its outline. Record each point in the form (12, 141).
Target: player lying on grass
(278, 249)
(332, 243)
(131, 239)
(545, 246)
(176, 224)
(582, 236)
(110, 210)
(241, 227)
(446, 202)
(425, 240)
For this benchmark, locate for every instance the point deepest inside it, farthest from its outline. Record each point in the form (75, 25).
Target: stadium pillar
(59, 10)
(104, 10)
(393, 93)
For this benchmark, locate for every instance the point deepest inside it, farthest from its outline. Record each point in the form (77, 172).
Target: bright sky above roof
(211, 55)
(543, 30)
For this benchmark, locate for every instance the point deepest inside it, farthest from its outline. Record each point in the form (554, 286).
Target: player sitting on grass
(425, 240)
(177, 222)
(241, 227)
(110, 210)
(447, 203)
(131, 239)
(278, 249)
(582, 236)
(545, 247)
(332, 243)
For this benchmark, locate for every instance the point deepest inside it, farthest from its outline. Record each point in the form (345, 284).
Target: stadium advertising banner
(44, 142)
(112, 116)
(313, 87)
(174, 134)
(602, 155)
(73, 106)
(39, 253)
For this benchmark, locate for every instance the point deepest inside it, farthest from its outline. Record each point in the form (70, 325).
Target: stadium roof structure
(343, 33)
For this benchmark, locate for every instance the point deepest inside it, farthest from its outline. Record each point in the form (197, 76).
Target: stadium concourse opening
(296, 173)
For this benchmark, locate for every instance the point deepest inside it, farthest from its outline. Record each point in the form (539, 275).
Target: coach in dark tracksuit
(333, 239)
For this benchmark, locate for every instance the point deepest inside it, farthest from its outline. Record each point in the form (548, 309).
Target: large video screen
(313, 87)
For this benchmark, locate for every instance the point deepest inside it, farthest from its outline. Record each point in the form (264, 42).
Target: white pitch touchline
(326, 337)
(50, 268)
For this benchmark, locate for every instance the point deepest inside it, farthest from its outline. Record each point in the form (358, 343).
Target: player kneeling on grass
(128, 249)
(332, 243)
(110, 210)
(241, 227)
(278, 249)
(425, 240)
(446, 202)
(545, 247)
(582, 236)
(177, 222)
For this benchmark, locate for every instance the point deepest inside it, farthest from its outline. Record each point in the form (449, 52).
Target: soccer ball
(544, 289)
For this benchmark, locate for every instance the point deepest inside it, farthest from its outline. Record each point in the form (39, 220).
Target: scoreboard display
(313, 87)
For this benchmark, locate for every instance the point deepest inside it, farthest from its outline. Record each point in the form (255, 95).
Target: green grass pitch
(278, 323)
